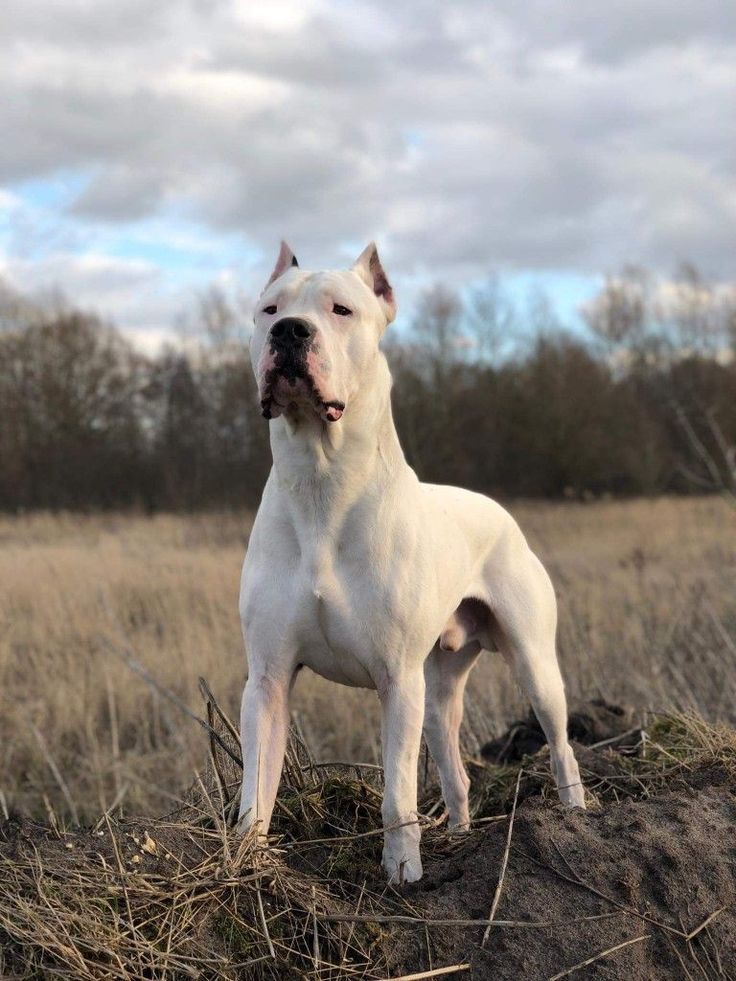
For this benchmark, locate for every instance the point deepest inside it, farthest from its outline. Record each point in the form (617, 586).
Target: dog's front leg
(264, 727)
(402, 704)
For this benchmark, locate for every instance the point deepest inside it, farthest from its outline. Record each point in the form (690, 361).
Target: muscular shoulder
(461, 501)
(478, 517)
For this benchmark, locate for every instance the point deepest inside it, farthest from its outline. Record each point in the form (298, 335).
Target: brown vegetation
(641, 886)
(647, 618)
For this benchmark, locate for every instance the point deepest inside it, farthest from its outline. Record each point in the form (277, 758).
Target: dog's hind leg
(525, 610)
(445, 676)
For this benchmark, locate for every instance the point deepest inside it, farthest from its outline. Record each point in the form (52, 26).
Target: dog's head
(316, 334)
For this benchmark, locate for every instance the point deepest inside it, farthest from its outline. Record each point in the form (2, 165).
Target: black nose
(291, 332)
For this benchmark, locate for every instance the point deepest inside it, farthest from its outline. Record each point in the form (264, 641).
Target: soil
(640, 887)
(649, 860)
(671, 858)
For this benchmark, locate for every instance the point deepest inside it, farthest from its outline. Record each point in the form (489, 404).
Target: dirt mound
(640, 886)
(590, 723)
(648, 871)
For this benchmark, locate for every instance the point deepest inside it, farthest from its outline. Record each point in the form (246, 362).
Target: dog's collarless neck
(338, 460)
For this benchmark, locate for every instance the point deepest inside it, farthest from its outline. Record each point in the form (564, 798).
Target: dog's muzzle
(289, 379)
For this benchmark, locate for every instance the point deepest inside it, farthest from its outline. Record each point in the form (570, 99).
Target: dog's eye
(270, 310)
(341, 311)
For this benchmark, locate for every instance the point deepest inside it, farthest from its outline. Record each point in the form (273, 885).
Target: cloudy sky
(150, 148)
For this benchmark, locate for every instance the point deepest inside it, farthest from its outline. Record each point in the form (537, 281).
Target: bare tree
(700, 316)
(702, 313)
(437, 325)
(620, 315)
(225, 319)
(86, 421)
(713, 461)
(69, 387)
(491, 318)
(689, 305)
(16, 309)
(218, 321)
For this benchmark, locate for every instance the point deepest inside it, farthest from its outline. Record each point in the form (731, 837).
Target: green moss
(241, 943)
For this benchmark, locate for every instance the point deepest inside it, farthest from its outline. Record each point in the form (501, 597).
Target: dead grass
(647, 618)
(182, 896)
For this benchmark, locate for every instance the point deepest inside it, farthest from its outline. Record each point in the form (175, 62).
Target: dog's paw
(247, 824)
(573, 796)
(458, 827)
(245, 820)
(401, 858)
(402, 868)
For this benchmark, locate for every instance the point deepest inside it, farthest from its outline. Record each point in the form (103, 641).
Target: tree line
(487, 394)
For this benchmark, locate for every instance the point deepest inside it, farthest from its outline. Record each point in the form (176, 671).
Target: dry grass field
(647, 617)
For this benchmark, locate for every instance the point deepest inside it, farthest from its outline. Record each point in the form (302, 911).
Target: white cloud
(113, 287)
(151, 340)
(222, 90)
(8, 200)
(547, 135)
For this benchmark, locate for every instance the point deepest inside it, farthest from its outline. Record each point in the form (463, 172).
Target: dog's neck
(320, 464)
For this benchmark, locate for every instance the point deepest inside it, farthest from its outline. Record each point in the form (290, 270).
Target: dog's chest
(331, 636)
(346, 614)
(353, 595)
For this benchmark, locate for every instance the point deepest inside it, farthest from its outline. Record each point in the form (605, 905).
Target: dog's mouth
(289, 388)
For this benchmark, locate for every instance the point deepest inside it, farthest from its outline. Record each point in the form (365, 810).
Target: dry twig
(596, 957)
(504, 863)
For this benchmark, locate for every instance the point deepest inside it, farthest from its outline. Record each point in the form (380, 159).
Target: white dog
(366, 575)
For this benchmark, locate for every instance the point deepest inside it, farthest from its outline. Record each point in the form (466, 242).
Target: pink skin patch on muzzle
(280, 391)
(266, 364)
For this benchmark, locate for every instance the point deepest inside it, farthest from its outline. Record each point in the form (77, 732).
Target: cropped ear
(285, 261)
(368, 267)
